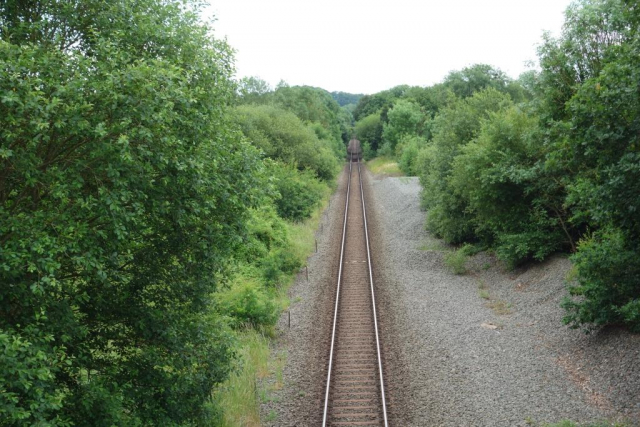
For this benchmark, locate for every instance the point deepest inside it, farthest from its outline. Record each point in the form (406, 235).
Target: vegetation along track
(355, 387)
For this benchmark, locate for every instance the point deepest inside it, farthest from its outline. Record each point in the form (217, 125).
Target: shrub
(408, 150)
(246, 303)
(283, 137)
(279, 264)
(454, 127)
(299, 192)
(608, 288)
(404, 119)
(456, 261)
(511, 199)
(367, 152)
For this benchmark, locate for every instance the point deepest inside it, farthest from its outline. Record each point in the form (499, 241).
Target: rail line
(354, 392)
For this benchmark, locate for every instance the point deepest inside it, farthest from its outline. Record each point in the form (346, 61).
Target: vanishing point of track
(355, 387)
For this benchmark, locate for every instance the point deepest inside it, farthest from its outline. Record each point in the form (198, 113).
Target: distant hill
(344, 98)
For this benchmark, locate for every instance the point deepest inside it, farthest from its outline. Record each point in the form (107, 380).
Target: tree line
(146, 203)
(546, 163)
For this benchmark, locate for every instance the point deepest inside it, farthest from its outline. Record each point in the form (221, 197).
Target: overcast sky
(365, 46)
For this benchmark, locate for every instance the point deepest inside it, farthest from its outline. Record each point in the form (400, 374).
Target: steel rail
(335, 312)
(373, 300)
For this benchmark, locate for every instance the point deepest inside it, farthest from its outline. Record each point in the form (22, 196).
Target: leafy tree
(603, 148)
(454, 127)
(409, 148)
(253, 90)
(381, 101)
(298, 192)
(310, 105)
(344, 98)
(404, 119)
(369, 131)
(124, 193)
(282, 136)
(469, 80)
(508, 194)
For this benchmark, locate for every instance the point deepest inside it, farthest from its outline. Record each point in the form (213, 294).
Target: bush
(608, 289)
(367, 152)
(246, 303)
(278, 265)
(283, 137)
(511, 199)
(404, 119)
(456, 261)
(408, 150)
(453, 128)
(299, 192)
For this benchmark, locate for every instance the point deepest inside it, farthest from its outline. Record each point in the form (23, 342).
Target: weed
(486, 266)
(272, 416)
(457, 261)
(278, 370)
(500, 307)
(572, 275)
(432, 245)
(484, 294)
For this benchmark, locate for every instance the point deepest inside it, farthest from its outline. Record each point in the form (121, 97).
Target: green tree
(404, 119)
(344, 98)
(123, 196)
(512, 199)
(253, 90)
(282, 136)
(379, 102)
(469, 80)
(454, 127)
(369, 131)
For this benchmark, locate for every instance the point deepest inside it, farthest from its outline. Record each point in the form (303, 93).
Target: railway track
(354, 393)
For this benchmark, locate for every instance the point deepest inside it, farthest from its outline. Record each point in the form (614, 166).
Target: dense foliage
(138, 222)
(549, 162)
(344, 98)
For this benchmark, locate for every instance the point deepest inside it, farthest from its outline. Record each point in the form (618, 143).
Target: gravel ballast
(487, 348)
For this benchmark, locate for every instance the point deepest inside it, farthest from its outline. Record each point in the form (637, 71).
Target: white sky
(365, 46)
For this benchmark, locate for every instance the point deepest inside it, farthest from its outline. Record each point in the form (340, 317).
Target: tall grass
(238, 396)
(384, 166)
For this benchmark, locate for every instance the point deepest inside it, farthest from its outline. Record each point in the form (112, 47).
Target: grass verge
(384, 166)
(241, 395)
(238, 396)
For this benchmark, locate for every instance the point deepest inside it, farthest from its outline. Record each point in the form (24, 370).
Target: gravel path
(455, 357)
(452, 357)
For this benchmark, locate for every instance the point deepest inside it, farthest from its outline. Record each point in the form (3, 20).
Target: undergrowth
(239, 397)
